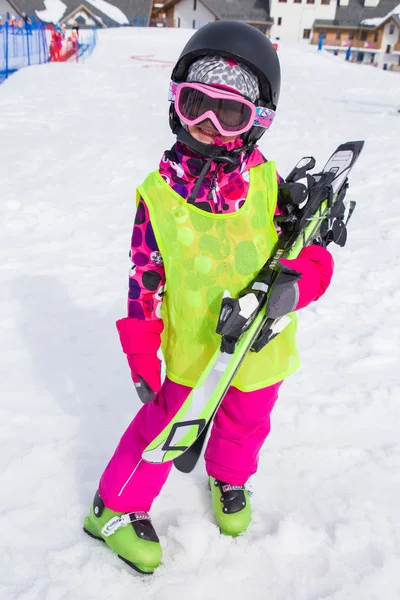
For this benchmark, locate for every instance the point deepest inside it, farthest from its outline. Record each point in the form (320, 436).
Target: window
(363, 35)
(306, 34)
(179, 21)
(279, 20)
(310, 1)
(194, 24)
(388, 49)
(194, 4)
(325, 1)
(282, 0)
(376, 36)
(391, 28)
(297, 1)
(338, 35)
(351, 35)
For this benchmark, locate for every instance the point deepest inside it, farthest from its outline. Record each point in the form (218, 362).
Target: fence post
(27, 46)
(6, 47)
(44, 40)
(39, 43)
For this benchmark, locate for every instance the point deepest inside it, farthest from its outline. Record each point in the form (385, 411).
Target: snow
(80, 137)
(378, 20)
(111, 11)
(53, 12)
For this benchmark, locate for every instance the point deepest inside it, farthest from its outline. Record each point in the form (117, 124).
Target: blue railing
(87, 43)
(21, 46)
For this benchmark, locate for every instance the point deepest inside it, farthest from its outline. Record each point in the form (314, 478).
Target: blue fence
(87, 42)
(21, 46)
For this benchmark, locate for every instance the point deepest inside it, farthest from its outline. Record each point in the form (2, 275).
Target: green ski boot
(130, 535)
(232, 508)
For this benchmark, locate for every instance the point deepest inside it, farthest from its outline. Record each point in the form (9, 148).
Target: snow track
(75, 141)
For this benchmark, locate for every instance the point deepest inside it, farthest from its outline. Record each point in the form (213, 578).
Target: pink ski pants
(240, 427)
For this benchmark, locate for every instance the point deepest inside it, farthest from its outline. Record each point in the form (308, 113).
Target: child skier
(204, 224)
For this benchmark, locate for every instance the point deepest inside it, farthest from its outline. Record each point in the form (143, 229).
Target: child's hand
(285, 291)
(300, 281)
(140, 341)
(315, 266)
(146, 375)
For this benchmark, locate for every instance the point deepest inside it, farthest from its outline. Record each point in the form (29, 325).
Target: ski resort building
(367, 32)
(196, 13)
(364, 31)
(287, 20)
(86, 13)
(293, 19)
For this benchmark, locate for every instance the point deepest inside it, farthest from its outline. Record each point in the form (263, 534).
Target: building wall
(367, 50)
(331, 38)
(296, 17)
(359, 55)
(85, 15)
(186, 16)
(263, 27)
(391, 40)
(169, 17)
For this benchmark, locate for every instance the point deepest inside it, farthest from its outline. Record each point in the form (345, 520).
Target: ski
(312, 206)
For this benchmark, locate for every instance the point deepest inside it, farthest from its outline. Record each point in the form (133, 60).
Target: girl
(204, 223)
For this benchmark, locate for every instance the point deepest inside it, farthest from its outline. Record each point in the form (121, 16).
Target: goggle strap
(264, 117)
(173, 87)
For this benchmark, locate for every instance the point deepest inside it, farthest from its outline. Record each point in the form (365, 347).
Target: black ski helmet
(245, 43)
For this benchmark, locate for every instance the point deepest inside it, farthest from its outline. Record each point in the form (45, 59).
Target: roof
(353, 14)
(67, 16)
(108, 11)
(256, 11)
(109, 14)
(240, 10)
(27, 6)
(378, 21)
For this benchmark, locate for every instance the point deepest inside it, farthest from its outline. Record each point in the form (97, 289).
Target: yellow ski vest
(205, 254)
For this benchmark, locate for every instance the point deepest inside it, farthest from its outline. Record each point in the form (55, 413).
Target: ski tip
(185, 465)
(359, 143)
(356, 145)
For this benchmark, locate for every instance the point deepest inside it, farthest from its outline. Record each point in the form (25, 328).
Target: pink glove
(140, 341)
(315, 264)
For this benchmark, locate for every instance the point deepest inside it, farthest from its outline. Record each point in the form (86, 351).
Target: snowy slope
(75, 141)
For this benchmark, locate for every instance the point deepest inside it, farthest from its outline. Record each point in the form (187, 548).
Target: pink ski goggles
(230, 113)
